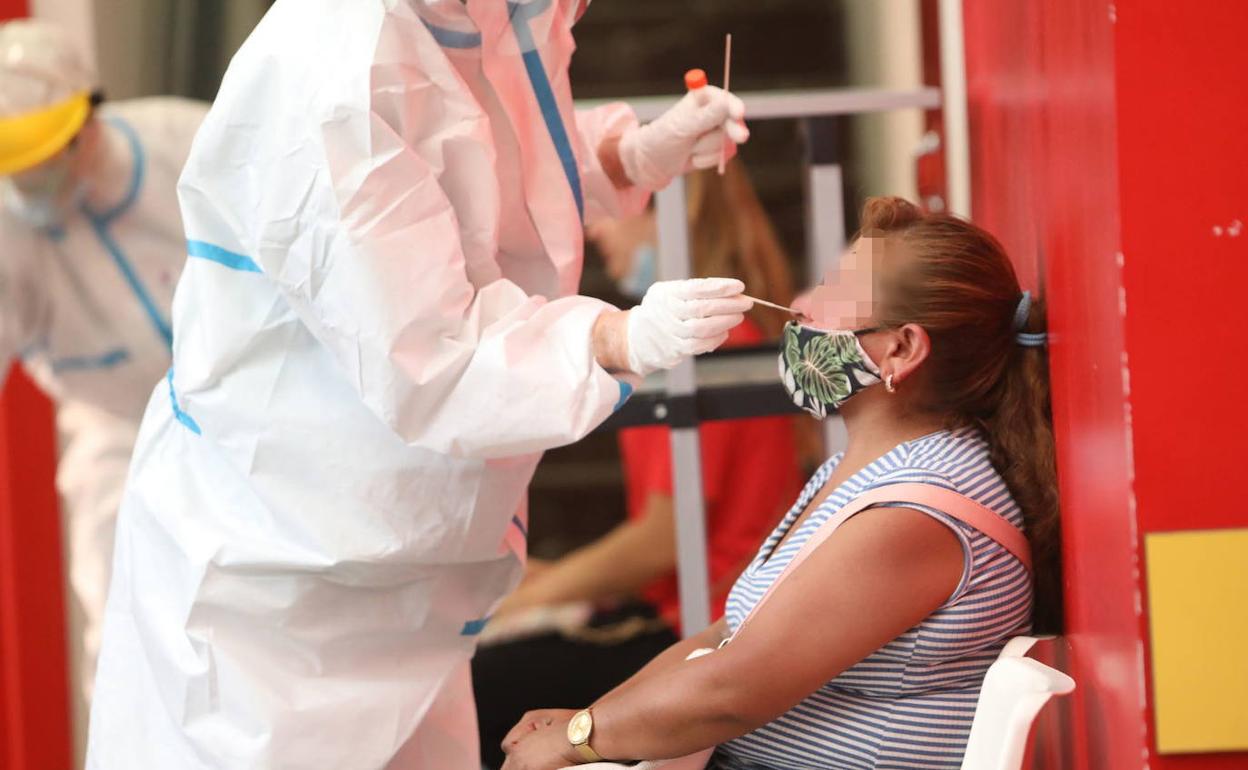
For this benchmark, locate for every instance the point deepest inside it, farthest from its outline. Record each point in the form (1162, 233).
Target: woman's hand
(539, 741)
(536, 720)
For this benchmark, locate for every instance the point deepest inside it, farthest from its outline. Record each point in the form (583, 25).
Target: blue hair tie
(1021, 314)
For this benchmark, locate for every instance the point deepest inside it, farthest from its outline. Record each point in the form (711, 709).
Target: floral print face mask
(822, 370)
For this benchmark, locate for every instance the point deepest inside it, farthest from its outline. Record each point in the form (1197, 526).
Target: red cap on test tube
(695, 79)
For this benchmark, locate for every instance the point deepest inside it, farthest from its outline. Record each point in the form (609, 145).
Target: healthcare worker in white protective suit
(90, 250)
(376, 336)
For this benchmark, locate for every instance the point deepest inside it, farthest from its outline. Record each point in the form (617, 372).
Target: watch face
(580, 727)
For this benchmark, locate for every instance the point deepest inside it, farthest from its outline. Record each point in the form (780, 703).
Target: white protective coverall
(86, 306)
(376, 336)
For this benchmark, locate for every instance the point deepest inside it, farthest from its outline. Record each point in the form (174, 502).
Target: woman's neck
(875, 425)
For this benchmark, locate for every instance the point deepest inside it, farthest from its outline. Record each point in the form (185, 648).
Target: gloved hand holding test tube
(701, 130)
(695, 81)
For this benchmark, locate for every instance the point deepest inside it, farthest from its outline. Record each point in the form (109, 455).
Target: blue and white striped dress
(909, 704)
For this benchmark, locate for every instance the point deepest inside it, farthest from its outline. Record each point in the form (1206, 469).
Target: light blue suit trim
(132, 277)
(474, 627)
(626, 391)
(107, 360)
(526, 11)
(100, 224)
(520, 15)
(453, 38)
(138, 175)
(178, 414)
(203, 250)
(39, 345)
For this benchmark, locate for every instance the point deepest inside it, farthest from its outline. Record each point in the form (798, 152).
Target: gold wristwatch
(579, 730)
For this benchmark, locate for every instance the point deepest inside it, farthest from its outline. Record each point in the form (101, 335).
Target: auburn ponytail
(1020, 432)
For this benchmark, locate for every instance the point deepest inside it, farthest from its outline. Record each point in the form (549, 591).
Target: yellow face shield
(30, 139)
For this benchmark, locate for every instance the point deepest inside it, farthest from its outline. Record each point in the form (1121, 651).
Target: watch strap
(587, 752)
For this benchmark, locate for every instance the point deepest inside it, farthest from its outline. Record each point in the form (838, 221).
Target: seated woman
(750, 474)
(871, 653)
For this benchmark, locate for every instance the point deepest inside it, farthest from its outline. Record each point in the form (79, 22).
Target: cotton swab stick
(773, 305)
(723, 151)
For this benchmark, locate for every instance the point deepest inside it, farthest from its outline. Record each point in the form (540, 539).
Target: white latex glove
(690, 135)
(678, 319)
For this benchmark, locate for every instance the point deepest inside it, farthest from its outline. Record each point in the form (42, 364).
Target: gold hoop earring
(888, 384)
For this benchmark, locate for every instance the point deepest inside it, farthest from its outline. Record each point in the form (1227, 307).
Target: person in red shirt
(746, 464)
(751, 474)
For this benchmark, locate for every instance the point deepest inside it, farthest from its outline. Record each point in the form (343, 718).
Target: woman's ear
(909, 347)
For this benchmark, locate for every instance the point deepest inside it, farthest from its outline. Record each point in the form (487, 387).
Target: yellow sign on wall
(1198, 611)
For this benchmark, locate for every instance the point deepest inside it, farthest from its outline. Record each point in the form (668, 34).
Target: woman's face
(851, 299)
(847, 298)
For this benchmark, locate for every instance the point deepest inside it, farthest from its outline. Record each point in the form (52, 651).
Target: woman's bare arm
(880, 574)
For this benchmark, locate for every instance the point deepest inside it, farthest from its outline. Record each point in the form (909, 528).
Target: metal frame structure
(743, 384)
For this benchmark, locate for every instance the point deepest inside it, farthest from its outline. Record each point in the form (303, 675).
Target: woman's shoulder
(959, 460)
(948, 454)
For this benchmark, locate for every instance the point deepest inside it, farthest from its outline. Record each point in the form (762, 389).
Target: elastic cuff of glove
(635, 364)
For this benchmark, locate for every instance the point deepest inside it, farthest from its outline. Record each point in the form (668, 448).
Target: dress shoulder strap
(946, 501)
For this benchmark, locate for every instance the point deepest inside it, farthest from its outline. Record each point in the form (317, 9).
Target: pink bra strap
(946, 501)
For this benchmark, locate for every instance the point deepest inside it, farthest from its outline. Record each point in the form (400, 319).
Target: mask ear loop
(1021, 314)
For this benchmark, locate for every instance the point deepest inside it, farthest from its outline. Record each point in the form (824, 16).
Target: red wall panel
(1183, 124)
(1184, 178)
(1040, 89)
(1107, 146)
(34, 692)
(34, 687)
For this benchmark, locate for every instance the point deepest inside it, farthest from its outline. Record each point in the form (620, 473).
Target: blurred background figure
(91, 246)
(583, 623)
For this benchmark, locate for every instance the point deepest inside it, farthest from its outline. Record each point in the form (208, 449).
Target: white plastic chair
(1015, 689)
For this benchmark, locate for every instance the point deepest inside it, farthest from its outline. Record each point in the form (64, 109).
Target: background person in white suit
(91, 246)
